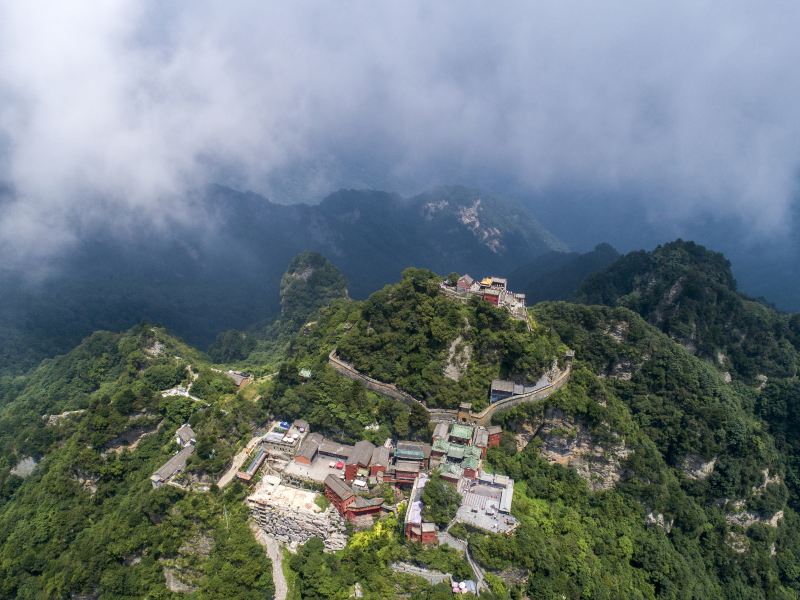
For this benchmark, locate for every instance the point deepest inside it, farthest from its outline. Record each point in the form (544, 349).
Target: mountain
(648, 475)
(310, 282)
(689, 293)
(221, 269)
(83, 519)
(441, 351)
(667, 480)
(557, 275)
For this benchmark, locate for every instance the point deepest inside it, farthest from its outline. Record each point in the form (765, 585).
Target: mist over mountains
(626, 124)
(223, 220)
(642, 125)
(201, 280)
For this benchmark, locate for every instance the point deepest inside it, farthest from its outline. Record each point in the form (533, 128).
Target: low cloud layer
(115, 110)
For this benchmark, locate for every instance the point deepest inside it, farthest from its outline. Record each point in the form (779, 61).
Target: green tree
(440, 501)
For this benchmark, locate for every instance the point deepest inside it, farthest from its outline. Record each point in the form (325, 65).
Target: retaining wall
(438, 415)
(386, 389)
(287, 525)
(485, 416)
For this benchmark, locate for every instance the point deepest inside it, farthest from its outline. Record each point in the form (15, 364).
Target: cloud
(113, 110)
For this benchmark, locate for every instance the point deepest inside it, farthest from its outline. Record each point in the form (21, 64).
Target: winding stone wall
(485, 416)
(379, 387)
(438, 415)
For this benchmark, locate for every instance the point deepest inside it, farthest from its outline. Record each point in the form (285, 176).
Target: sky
(112, 111)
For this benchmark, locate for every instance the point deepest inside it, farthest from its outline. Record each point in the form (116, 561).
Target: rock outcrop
(745, 518)
(24, 467)
(458, 358)
(697, 468)
(53, 420)
(181, 574)
(569, 443)
(618, 331)
(656, 519)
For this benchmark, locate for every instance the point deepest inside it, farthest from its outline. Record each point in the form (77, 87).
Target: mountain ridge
(202, 280)
(648, 475)
(689, 292)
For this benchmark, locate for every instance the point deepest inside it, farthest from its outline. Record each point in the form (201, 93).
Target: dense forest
(688, 292)
(658, 530)
(87, 519)
(656, 472)
(409, 332)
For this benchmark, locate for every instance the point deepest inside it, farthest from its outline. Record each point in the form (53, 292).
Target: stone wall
(292, 526)
(442, 415)
(438, 415)
(485, 416)
(385, 389)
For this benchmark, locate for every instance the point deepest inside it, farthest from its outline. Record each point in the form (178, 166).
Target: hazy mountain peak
(311, 281)
(222, 270)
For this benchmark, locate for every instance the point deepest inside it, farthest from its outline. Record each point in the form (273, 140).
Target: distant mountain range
(225, 273)
(557, 275)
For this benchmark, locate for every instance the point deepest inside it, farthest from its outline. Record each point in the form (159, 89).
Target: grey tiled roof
(361, 454)
(175, 464)
(339, 487)
(310, 445)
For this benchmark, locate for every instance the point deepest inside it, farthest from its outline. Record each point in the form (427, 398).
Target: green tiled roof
(472, 452)
(470, 462)
(454, 470)
(441, 445)
(462, 432)
(456, 451)
(409, 451)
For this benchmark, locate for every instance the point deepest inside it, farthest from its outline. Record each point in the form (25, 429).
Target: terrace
(486, 503)
(321, 466)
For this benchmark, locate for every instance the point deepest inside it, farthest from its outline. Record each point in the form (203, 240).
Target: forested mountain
(221, 268)
(649, 475)
(86, 520)
(689, 293)
(441, 351)
(309, 283)
(677, 486)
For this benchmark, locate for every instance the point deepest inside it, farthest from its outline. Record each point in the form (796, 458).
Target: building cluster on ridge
(493, 290)
(288, 464)
(354, 477)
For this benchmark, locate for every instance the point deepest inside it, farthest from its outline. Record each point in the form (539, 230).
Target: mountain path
(273, 550)
(237, 463)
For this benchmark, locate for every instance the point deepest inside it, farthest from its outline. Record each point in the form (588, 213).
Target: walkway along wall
(483, 417)
(386, 389)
